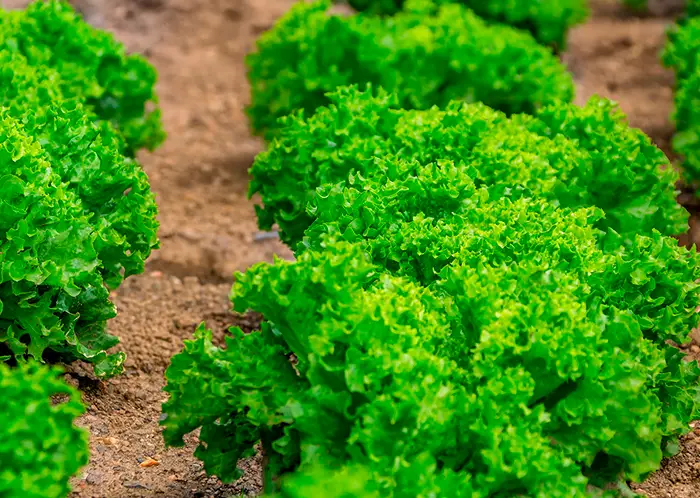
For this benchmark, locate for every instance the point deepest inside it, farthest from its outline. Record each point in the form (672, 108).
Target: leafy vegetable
(40, 447)
(428, 55)
(548, 21)
(51, 290)
(565, 154)
(494, 360)
(86, 155)
(92, 65)
(471, 312)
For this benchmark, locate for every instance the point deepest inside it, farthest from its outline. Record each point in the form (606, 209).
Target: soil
(156, 313)
(208, 228)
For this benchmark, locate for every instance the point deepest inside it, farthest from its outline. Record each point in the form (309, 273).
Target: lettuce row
(572, 156)
(92, 66)
(40, 447)
(547, 21)
(464, 318)
(428, 55)
(681, 54)
(78, 217)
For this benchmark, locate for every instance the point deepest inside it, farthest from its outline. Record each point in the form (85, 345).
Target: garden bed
(208, 226)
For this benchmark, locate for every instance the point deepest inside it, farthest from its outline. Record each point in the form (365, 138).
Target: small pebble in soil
(94, 477)
(134, 485)
(260, 236)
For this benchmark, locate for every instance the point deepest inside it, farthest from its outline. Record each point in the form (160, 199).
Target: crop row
(485, 286)
(485, 295)
(681, 55)
(77, 216)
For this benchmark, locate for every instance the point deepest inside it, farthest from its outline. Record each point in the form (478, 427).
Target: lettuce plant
(478, 308)
(428, 55)
(547, 21)
(40, 446)
(86, 154)
(92, 67)
(573, 156)
(498, 352)
(681, 55)
(52, 291)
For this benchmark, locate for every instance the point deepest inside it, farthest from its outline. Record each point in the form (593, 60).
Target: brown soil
(209, 230)
(156, 312)
(616, 55)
